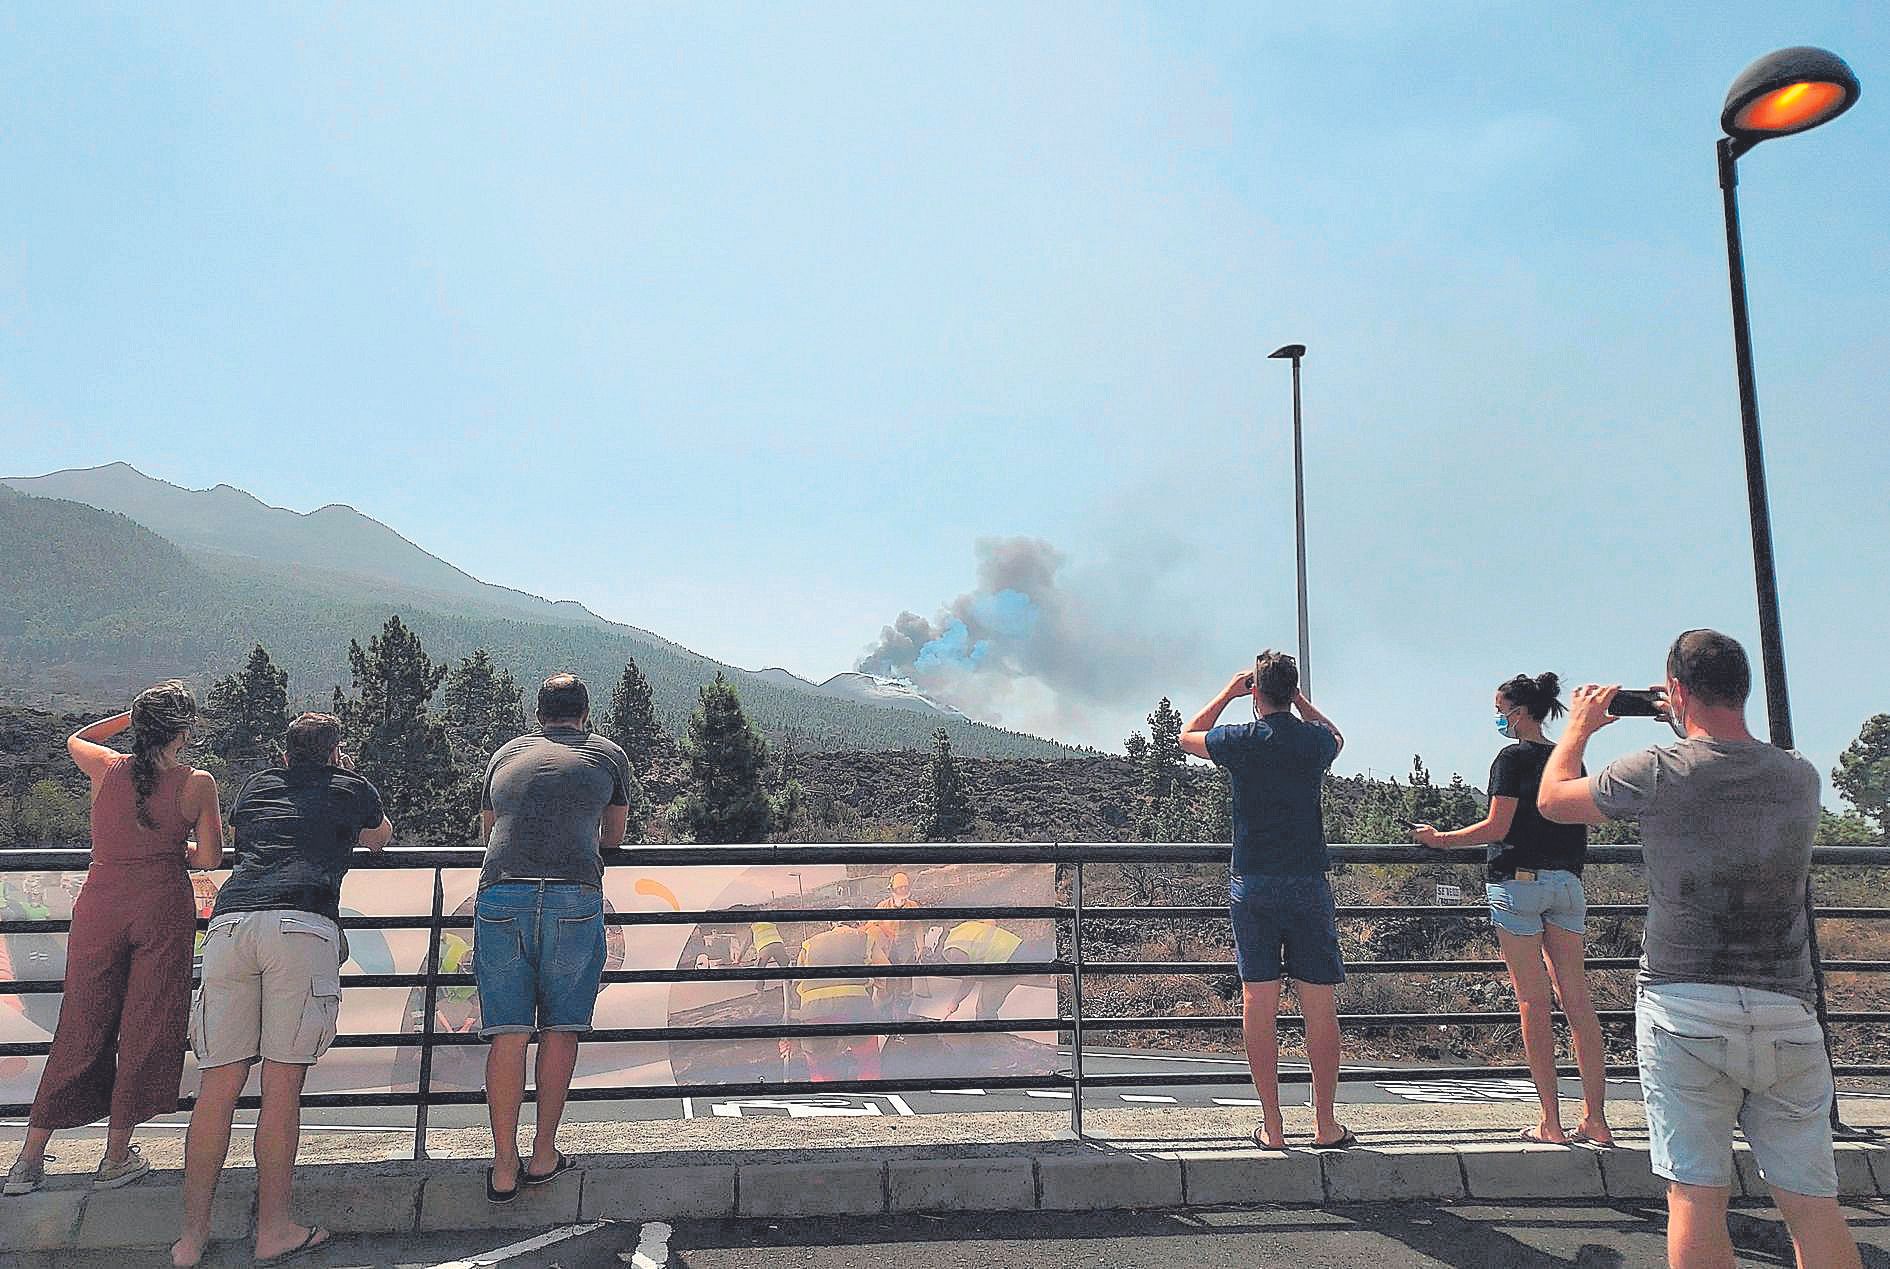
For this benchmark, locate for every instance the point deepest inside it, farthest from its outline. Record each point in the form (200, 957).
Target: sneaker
(24, 1177)
(112, 1175)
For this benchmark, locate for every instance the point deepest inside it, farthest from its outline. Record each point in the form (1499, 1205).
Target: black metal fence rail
(1075, 1024)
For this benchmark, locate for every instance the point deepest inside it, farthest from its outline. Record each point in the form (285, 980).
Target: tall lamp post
(1295, 352)
(1792, 90)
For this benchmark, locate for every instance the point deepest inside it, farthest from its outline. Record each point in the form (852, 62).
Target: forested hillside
(94, 607)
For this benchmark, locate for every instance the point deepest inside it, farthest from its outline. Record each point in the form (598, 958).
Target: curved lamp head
(1295, 351)
(1792, 90)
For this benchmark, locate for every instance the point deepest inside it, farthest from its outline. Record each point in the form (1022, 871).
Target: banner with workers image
(772, 937)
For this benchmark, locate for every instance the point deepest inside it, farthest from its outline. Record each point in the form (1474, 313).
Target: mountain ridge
(97, 605)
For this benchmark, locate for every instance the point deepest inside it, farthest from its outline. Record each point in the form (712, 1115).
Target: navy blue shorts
(1285, 925)
(538, 955)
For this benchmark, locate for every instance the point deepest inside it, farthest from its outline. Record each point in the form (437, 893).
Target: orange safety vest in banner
(835, 947)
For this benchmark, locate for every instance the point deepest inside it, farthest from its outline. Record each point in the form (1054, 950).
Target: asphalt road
(1523, 1237)
(1380, 1086)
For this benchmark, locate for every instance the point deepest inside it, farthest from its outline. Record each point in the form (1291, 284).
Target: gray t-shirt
(1727, 827)
(547, 792)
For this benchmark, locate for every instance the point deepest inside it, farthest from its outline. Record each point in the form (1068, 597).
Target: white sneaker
(112, 1175)
(24, 1177)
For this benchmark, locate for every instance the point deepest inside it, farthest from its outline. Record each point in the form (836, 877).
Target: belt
(1524, 874)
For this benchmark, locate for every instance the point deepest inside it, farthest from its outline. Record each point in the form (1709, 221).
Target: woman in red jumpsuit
(119, 1046)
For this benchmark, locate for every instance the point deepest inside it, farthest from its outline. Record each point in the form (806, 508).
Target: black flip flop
(496, 1195)
(1346, 1142)
(314, 1240)
(563, 1166)
(1254, 1137)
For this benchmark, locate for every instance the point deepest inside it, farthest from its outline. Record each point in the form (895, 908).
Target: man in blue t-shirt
(1278, 895)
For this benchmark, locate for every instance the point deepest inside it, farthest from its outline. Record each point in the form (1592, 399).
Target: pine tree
(247, 716)
(632, 721)
(947, 806)
(1460, 804)
(482, 708)
(1862, 775)
(1163, 761)
(727, 760)
(1136, 746)
(398, 742)
(1217, 810)
(1422, 801)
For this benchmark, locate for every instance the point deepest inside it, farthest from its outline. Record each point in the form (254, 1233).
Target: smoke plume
(1040, 644)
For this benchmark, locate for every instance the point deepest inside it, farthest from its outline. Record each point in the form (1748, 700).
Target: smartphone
(1637, 703)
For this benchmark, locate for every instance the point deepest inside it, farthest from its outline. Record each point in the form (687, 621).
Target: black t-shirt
(296, 828)
(1532, 842)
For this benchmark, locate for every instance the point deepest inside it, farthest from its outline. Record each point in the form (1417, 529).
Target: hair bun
(1548, 684)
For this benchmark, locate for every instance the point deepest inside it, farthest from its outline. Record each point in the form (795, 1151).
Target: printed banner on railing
(772, 937)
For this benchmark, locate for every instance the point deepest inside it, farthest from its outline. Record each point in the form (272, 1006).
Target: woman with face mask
(1538, 906)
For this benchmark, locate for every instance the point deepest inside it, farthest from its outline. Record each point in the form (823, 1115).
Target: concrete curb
(407, 1198)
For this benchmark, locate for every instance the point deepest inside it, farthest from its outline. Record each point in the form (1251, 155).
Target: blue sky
(748, 324)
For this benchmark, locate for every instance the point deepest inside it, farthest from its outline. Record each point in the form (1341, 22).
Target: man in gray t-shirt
(550, 801)
(547, 803)
(1726, 1032)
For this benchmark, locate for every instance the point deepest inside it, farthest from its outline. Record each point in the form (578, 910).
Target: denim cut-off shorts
(1713, 1056)
(1285, 926)
(538, 955)
(1522, 907)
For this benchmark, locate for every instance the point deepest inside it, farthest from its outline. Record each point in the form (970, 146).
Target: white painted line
(1146, 1097)
(688, 1108)
(1038, 1092)
(652, 1247)
(941, 1092)
(899, 1103)
(1238, 1101)
(149, 1126)
(499, 1255)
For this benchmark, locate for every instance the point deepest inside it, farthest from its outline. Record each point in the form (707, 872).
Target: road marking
(499, 1255)
(1147, 1097)
(1038, 1092)
(899, 1103)
(1462, 1090)
(652, 1247)
(1238, 1101)
(688, 1108)
(953, 1092)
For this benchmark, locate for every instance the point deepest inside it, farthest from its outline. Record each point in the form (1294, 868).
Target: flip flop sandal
(1346, 1142)
(317, 1237)
(496, 1195)
(1261, 1144)
(563, 1166)
(1587, 1140)
(1532, 1136)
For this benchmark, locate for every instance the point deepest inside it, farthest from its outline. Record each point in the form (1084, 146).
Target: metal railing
(1071, 966)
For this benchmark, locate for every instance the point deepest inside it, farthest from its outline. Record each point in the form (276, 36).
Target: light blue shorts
(1555, 897)
(1713, 1056)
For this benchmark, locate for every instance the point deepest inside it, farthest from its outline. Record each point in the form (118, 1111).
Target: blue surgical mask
(1502, 723)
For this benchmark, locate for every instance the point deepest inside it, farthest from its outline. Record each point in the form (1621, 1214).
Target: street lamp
(1789, 91)
(1295, 352)
(1792, 90)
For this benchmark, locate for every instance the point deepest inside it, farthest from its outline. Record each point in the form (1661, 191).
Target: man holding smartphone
(1726, 1028)
(1278, 894)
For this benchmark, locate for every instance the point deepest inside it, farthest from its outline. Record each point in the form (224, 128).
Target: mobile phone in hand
(1631, 702)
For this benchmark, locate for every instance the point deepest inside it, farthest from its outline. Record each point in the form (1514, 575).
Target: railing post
(429, 1005)
(1076, 1001)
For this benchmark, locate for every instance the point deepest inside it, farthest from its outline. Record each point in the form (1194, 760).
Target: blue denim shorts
(1555, 897)
(1285, 926)
(1713, 1056)
(538, 955)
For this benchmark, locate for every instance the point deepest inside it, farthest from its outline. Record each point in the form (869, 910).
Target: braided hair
(159, 716)
(1541, 695)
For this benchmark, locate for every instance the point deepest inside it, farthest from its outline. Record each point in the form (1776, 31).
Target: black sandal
(563, 1166)
(496, 1195)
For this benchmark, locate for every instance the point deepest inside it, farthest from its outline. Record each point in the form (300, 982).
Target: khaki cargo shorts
(271, 989)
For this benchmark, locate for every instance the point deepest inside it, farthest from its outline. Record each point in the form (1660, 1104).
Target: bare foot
(289, 1238)
(1275, 1140)
(1595, 1131)
(1546, 1135)
(505, 1176)
(187, 1251)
